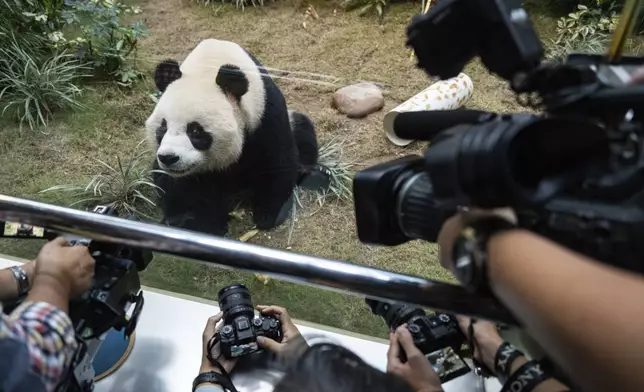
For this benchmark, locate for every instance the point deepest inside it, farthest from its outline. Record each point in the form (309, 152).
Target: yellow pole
(429, 2)
(624, 29)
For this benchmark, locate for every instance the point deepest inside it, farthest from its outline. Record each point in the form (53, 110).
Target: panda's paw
(316, 177)
(188, 222)
(270, 221)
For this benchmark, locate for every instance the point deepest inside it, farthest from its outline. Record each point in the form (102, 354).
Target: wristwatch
(469, 252)
(21, 278)
(211, 377)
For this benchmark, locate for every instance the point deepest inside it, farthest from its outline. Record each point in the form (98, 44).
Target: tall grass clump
(331, 157)
(125, 185)
(240, 4)
(32, 88)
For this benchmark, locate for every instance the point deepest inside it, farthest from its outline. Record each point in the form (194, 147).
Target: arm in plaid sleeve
(37, 344)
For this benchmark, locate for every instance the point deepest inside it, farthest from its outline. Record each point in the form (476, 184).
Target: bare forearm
(47, 288)
(586, 315)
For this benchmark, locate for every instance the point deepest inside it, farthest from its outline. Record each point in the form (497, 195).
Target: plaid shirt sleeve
(37, 343)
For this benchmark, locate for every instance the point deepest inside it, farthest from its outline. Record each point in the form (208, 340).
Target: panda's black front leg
(197, 215)
(272, 201)
(208, 221)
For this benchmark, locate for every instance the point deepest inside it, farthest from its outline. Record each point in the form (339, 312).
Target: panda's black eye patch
(200, 139)
(163, 128)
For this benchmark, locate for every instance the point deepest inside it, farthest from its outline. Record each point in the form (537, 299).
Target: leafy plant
(126, 186)
(331, 158)
(586, 23)
(104, 42)
(365, 7)
(591, 45)
(34, 88)
(18, 23)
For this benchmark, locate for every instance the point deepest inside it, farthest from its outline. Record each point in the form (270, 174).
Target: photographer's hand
(487, 339)
(453, 227)
(211, 329)
(289, 330)
(62, 272)
(417, 371)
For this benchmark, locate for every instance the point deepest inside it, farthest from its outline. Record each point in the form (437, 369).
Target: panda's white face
(195, 128)
(208, 104)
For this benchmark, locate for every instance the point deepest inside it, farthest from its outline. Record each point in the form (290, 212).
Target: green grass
(345, 46)
(67, 155)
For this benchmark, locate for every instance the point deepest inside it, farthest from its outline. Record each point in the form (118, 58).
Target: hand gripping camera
(437, 336)
(238, 335)
(114, 300)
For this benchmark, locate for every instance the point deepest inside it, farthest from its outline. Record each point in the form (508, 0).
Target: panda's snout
(168, 159)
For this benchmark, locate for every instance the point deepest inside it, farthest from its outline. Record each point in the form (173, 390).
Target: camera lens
(394, 314)
(235, 301)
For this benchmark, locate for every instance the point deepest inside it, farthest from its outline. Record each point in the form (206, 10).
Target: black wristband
(505, 355)
(526, 378)
(213, 377)
(469, 252)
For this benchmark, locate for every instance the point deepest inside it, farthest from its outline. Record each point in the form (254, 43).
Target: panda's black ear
(166, 72)
(232, 80)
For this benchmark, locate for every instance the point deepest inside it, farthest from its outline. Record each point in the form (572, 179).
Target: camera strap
(224, 380)
(480, 369)
(526, 378)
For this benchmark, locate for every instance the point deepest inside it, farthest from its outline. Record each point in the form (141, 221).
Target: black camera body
(573, 174)
(431, 332)
(238, 335)
(438, 336)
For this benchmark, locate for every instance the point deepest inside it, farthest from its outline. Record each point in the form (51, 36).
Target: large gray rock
(358, 100)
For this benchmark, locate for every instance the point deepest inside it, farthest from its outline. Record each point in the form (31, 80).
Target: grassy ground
(345, 46)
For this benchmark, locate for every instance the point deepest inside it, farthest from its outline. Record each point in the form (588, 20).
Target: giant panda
(222, 133)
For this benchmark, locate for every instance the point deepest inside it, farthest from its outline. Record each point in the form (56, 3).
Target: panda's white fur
(195, 96)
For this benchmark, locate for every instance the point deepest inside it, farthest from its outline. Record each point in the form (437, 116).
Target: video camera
(115, 291)
(437, 336)
(238, 335)
(574, 174)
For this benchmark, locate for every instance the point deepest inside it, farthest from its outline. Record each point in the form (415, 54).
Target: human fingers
(450, 230)
(638, 76)
(83, 257)
(211, 324)
(59, 241)
(407, 342)
(470, 215)
(284, 317)
(269, 344)
(393, 354)
(463, 323)
(271, 310)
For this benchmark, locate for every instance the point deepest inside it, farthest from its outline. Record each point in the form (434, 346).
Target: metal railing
(290, 266)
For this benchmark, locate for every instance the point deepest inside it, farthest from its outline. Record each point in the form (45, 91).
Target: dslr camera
(114, 300)
(572, 173)
(238, 335)
(437, 336)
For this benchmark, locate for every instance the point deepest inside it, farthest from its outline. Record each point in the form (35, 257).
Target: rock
(358, 100)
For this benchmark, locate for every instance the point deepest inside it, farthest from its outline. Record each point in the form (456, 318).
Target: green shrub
(104, 42)
(591, 45)
(32, 88)
(586, 23)
(101, 38)
(24, 22)
(126, 186)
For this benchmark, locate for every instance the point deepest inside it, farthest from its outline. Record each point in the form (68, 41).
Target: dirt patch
(335, 50)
